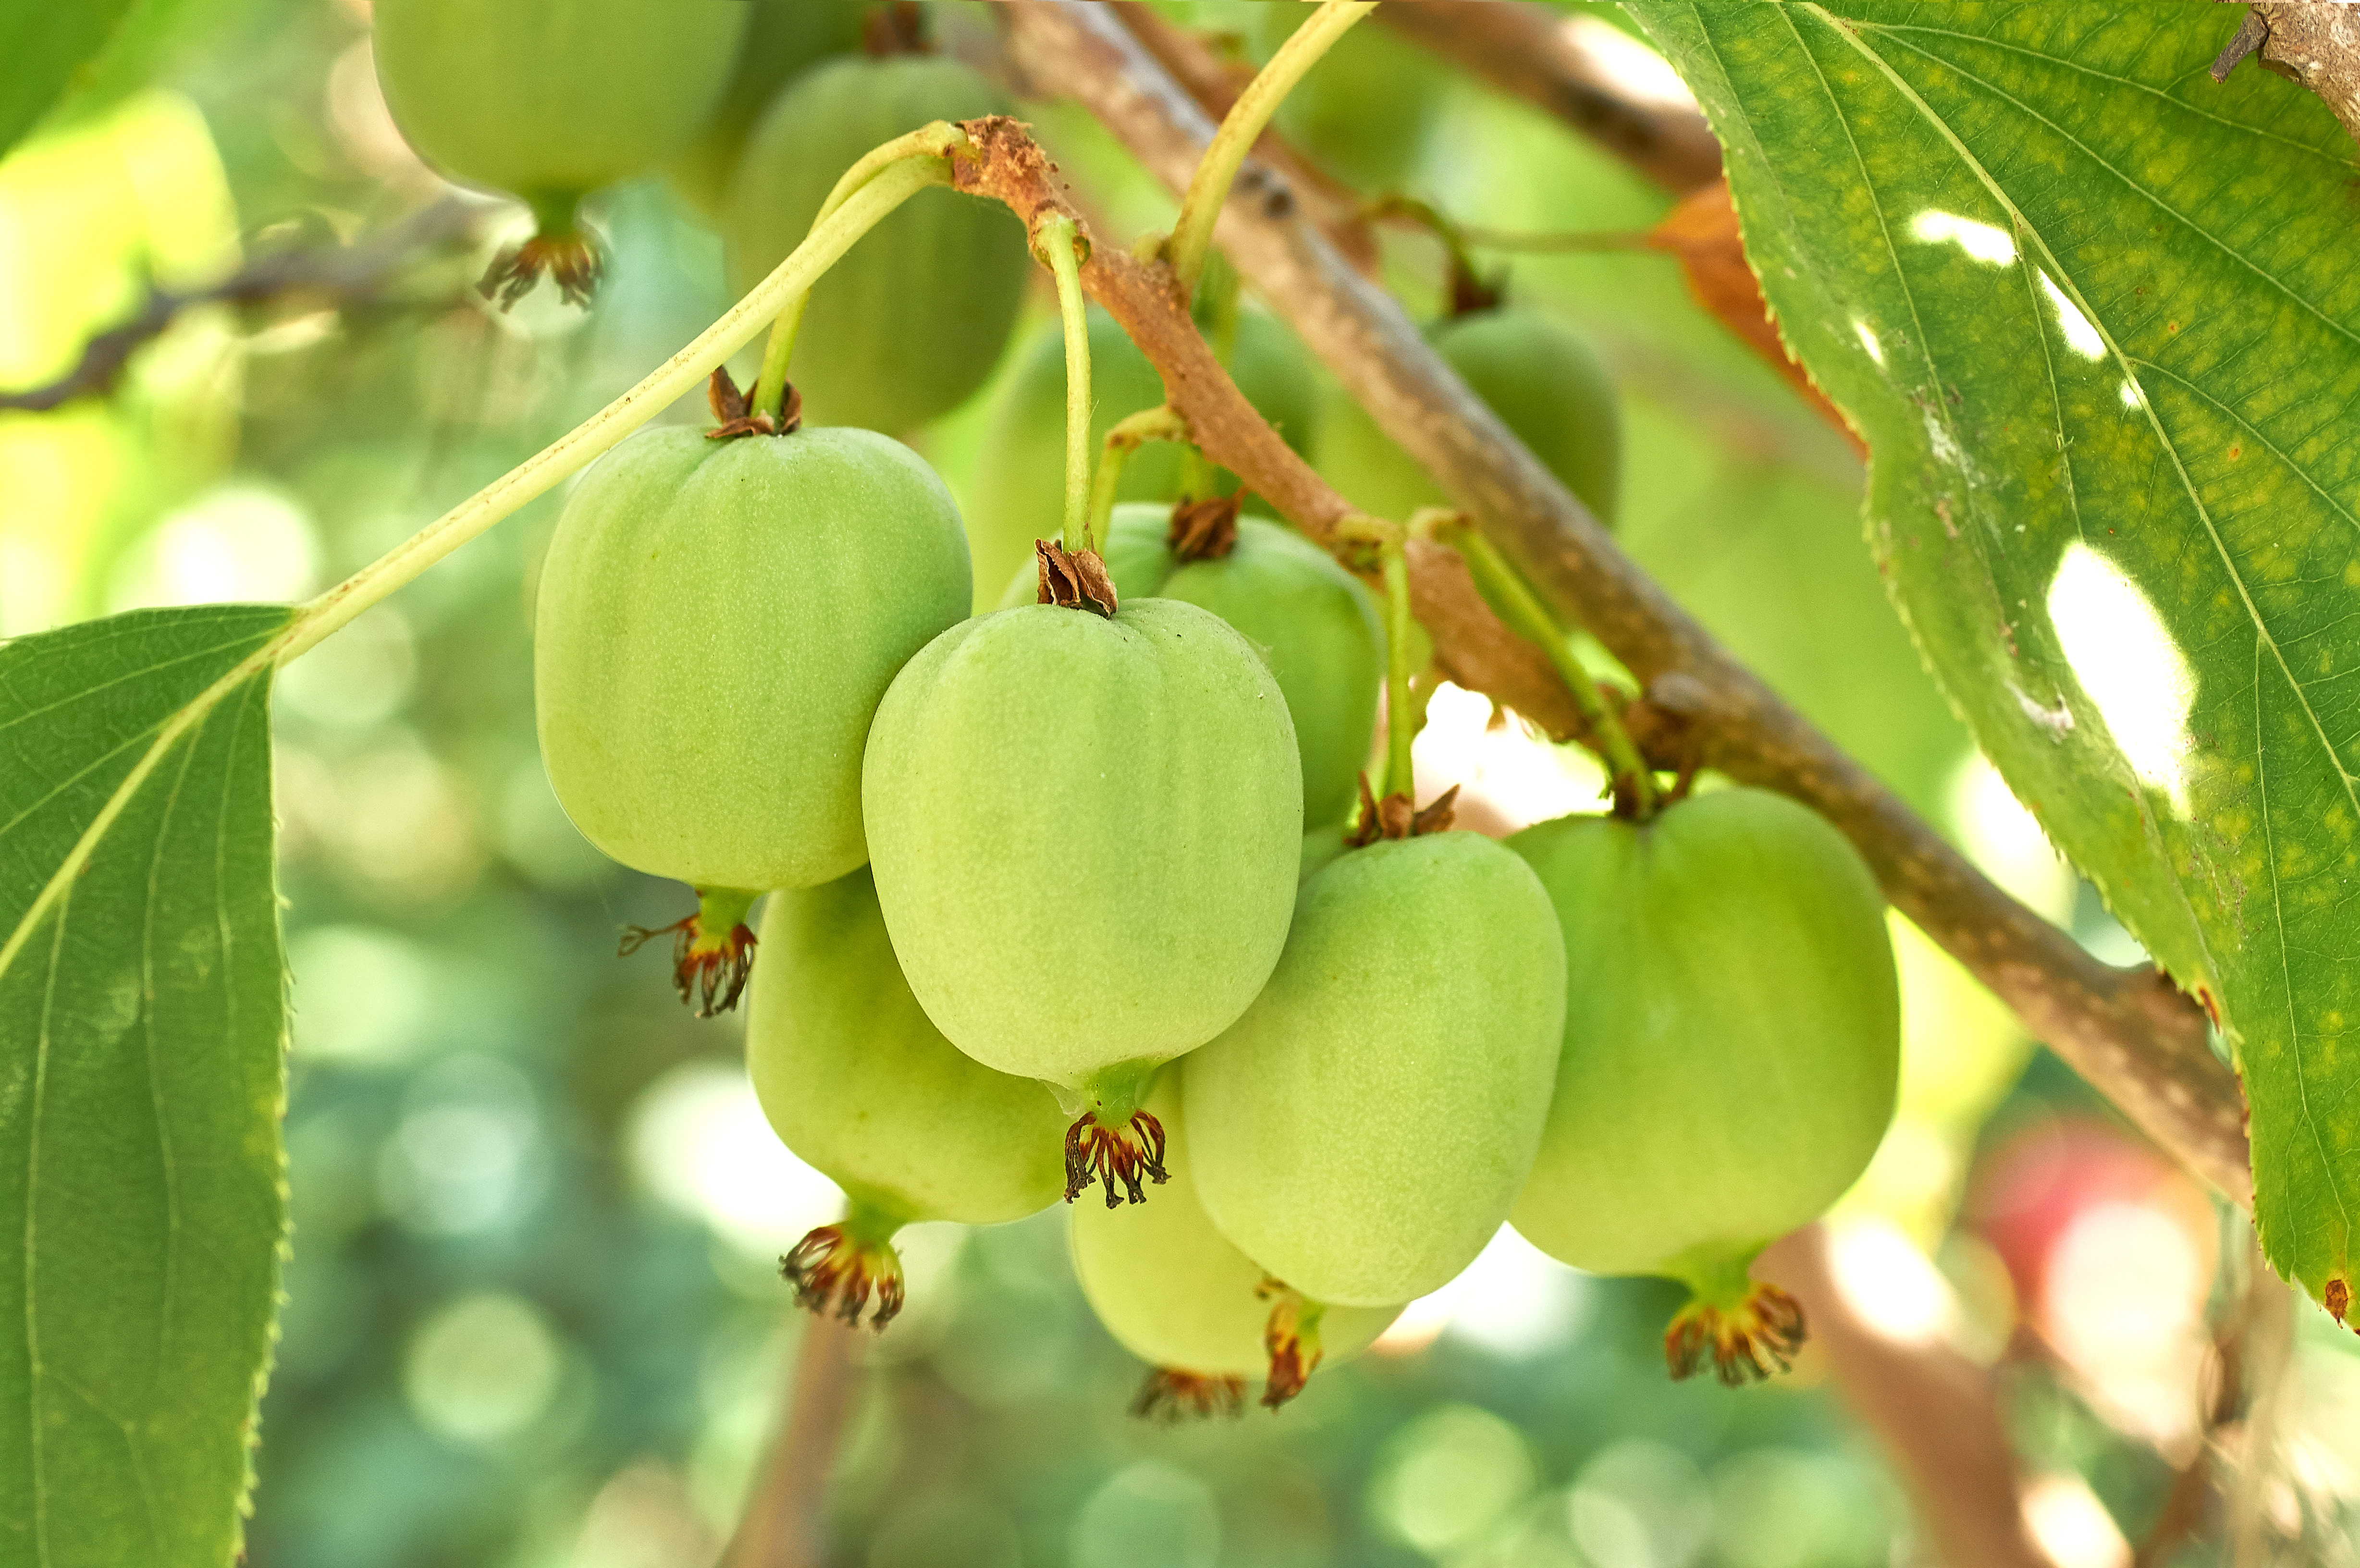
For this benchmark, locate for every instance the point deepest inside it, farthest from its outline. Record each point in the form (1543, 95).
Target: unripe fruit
(915, 317)
(1365, 109)
(1174, 1292)
(1364, 1129)
(550, 102)
(1019, 477)
(1538, 374)
(717, 622)
(1313, 622)
(1084, 833)
(1730, 1052)
(858, 1083)
(784, 39)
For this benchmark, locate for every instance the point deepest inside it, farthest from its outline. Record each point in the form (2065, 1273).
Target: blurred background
(533, 1318)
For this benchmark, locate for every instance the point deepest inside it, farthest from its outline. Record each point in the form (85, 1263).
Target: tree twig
(2129, 1031)
(1936, 1413)
(2316, 45)
(343, 276)
(785, 1522)
(1563, 66)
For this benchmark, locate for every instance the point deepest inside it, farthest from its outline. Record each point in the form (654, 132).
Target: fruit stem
(1057, 242)
(932, 141)
(1469, 291)
(1126, 435)
(575, 449)
(1528, 619)
(1192, 233)
(1401, 711)
(1216, 311)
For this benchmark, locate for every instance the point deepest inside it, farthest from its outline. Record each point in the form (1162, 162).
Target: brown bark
(1532, 52)
(2129, 1032)
(785, 1521)
(2313, 43)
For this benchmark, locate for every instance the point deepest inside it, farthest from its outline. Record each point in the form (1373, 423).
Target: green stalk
(574, 450)
(1530, 620)
(937, 140)
(1126, 435)
(1058, 242)
(1401, 711)
(1192, 234)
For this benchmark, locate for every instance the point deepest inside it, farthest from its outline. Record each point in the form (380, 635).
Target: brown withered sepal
(708, 969)
(1096, 1152)
(1074, 582)
(1207, 529)
(571, 261)
(1169, 1394)
(2336, 1298)
(1290, 1337)
(1397, 817)
(834, 1271)
(1745, 1343)
(737, 417)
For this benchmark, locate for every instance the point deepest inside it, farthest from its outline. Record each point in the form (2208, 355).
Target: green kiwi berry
(859, 1084)
(1538, 374)
(1174, 1292)
(717, 623)
(1364, 1129)
(783, 39)
(1085, 831)
(552, 101)
(915, 316)
(1312, 620)
(1018, 476)
(1730, 1055)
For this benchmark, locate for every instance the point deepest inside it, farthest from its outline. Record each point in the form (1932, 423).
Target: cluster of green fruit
(1081, 892)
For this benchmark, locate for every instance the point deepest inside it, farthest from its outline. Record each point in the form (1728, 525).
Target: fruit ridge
(1362, 1131)
(1311, 620)
(716, 624)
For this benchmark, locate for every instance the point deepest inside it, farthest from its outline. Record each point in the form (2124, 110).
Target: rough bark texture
(1551, 61)
(2128, 1032)
(2314, 42)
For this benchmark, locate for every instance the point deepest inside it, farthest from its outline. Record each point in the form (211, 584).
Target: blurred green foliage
(531, 1318)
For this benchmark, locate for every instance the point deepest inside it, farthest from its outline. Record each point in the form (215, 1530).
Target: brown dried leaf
(1702, 233)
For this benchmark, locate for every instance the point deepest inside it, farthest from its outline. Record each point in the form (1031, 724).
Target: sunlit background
(533, 1318)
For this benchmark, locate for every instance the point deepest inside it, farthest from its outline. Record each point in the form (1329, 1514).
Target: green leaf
(2098, 319)
(45, 45)
(141, 1020)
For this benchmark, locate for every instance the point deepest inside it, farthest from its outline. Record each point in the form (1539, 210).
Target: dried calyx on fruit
(858, 1083)
(690, 583)
(1313, 622)
(1730, 1059)
(1028, 773)
(550, 102)
(1202, 1314)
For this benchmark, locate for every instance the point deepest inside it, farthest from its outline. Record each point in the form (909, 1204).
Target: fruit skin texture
(550, 101)
(1538, 374)
(1364, 1129)
(1019, 481)
(915, 317)
(1313, 622)
(1174, 1292)
(1731, 1037)
(858, 1083)
(1084, 833)
(716, 624)
(784, 39)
